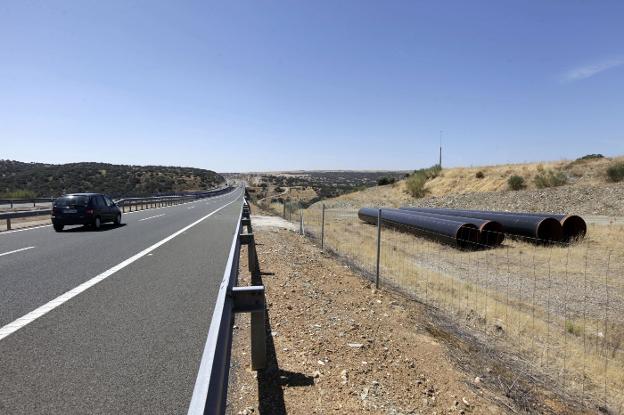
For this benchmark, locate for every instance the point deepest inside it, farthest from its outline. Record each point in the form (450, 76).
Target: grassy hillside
(586, 184)
(18, 179)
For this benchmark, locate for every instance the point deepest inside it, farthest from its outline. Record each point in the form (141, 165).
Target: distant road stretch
(113, 321)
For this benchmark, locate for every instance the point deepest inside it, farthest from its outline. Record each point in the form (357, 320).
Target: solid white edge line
(202, 381)
(24, 229)
(51, 305)
(17, 250)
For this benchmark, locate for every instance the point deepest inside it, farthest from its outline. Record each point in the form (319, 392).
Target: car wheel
(58, 228)
(117, 220)
(97, 224)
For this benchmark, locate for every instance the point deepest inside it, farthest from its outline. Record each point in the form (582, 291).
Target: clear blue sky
(267, 85)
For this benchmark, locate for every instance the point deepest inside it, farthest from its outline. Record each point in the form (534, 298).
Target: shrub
(574, 329)
(550, 178)
(615, 172)
(479, 175)
(516, 182)
(416, 181)
(416, 185)
(385, 180)
(590, 157)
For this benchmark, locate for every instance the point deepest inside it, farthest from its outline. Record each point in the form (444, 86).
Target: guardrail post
(378, 246)
(8, 224)
(323, 228)
(258, 340)
(251, 299)
(252, 256)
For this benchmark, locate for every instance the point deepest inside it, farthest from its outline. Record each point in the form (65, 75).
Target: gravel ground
(599, 200)
(337, 345)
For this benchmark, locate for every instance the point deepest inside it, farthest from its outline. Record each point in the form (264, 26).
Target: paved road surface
(131, 343)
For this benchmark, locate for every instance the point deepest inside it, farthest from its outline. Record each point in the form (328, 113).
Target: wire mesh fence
(557, 306)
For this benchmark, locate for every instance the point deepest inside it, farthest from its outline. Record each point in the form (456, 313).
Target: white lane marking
(152, 217)
(24, 229)
(17, 250)
(46, 308)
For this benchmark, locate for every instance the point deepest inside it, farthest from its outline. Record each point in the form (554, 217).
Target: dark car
(90, 209)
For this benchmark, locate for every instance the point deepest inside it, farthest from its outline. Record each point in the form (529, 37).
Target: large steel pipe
(538, 227)
(573, 226)
(454, 232)
(491, 233)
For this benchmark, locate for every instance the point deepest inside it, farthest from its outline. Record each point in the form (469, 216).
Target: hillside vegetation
(306, 187)
(18, 179)
(585, 185)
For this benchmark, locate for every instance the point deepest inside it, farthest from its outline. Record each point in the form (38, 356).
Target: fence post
(323, 228)
(378, 246)
(284, 209)
(301, 230)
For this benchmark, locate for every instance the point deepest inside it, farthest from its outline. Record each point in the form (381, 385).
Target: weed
(615, 172)
(550, 178)
(516, 182)
(573, 328)
(416, 185)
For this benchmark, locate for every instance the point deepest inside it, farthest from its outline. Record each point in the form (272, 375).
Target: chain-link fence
(558, 307)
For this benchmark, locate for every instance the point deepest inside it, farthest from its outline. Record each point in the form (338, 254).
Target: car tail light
(89, 211)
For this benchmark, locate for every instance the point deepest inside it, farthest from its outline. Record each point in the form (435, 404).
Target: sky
(281, 85)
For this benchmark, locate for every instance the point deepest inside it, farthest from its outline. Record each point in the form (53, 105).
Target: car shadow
(85, 228)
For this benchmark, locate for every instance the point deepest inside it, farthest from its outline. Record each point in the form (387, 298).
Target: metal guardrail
(210, 392)
(139, 203)
(34, 201)
(23, 214)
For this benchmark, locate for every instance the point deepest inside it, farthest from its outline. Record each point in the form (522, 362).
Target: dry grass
(463, 180)
(560, 308)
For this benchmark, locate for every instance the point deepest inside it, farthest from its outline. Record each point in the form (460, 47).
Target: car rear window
(72, 201)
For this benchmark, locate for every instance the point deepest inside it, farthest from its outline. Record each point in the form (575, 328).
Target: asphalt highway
(111, 321)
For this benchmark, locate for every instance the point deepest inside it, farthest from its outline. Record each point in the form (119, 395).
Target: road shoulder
(338, 345)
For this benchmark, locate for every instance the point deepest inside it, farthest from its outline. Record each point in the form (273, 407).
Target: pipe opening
(574, 228)
(491, 234)
(549, 230)
(467, 236)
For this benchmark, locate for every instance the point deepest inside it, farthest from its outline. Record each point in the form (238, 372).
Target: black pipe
(490, 231)
(454, 232)
(573, 226)
(542, 228)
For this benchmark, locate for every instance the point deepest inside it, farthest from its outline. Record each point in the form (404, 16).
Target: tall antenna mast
(440, 162)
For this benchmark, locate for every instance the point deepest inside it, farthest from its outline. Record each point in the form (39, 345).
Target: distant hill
(19, 179)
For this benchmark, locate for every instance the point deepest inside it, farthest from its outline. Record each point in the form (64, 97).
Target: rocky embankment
(605, 200)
